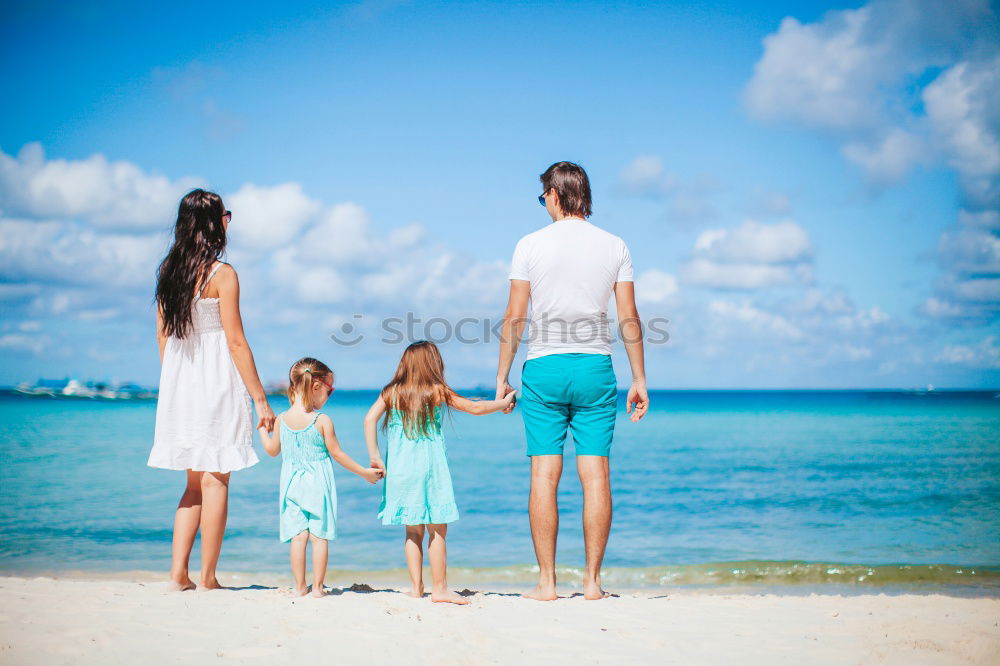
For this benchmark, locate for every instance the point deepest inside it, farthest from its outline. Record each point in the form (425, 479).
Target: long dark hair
(416, 387)
(199, 241)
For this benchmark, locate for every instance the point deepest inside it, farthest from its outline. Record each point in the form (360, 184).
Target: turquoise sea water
(859, 487)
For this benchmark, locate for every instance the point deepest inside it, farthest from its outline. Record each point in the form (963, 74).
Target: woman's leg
(438, 553)
(186, 521)
(415, 559)
(298, 558)
(320, 552)
(215, 508)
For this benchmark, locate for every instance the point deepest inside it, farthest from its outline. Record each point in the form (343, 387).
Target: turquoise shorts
(575, 391)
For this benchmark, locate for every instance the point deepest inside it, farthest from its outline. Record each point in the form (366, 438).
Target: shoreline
(466, 580)
(110, 620)
(750, 575)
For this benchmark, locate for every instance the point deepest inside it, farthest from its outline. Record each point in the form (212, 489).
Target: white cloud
(645, 175)
(269, 217)
(970, 251)
(71, 253)
(755, 242)
(984, 219)
(889, 160)
(857, 74)
(985, 354)
(22, 342)
(705, 273)
(758, 319)
(963, 105)
(117, 195)
(751, 256)
(900, 83)
(818, 74)
(687, 200)
(656, 286)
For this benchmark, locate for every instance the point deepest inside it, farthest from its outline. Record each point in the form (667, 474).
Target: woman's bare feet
(181, 585)
(300, 590)
(542, 593)
(416, 592)
(318, 591)
(449, 597)
(210, 584)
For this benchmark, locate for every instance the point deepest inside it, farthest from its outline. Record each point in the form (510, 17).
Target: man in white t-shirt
(567, 271)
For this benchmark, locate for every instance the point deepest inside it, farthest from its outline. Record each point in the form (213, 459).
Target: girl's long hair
(416, 388)
(199, 241)
(301, 376)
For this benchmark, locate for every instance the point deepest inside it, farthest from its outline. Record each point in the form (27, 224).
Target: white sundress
(203, 414)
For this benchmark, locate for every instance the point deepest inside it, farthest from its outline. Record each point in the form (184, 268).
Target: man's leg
(543, 513)
(594, 477)
(592, 422)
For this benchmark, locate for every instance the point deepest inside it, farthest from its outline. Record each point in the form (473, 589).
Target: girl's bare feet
(300, 591)
(181, 585)
(318, 591)
(210, 584)
(447, 596)
(416, 592)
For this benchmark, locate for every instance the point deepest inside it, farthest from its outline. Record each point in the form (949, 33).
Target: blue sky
(808, 190)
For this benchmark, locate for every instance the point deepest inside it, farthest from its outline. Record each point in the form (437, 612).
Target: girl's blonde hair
(301, 376)
(416, 388)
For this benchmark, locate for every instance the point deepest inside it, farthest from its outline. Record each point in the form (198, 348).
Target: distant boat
(74, 388)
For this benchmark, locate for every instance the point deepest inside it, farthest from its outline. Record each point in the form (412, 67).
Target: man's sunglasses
(541, 199)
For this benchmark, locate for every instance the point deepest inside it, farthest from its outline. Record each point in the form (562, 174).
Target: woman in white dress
(207, 380)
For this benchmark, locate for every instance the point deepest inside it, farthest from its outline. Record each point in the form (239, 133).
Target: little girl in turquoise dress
(417, 491)
(308, 493)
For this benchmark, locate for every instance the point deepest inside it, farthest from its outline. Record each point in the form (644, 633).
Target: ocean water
(711, 488)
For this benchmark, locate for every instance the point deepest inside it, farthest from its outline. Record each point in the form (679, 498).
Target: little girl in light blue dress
(308, 492)
(417, 491)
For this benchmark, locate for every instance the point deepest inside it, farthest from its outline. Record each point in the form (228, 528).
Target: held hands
(506, 393)
(372, 474)
(638, 399)
(510, 399)
(265, 415)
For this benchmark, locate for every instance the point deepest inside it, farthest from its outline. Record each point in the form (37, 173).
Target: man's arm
(631, 332)
(514, 320)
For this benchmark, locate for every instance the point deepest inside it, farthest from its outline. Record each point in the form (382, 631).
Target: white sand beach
(114, 620)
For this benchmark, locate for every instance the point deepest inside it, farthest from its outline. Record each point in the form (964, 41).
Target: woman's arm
(479, 407)
(271, 442)
(631, 330)
(161, 337)
(325, 425)
(371, 432)
(232, 323)
(514, 320)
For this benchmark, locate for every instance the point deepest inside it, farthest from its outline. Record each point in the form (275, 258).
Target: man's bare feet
(542, 593)
(181, 585)
(318, 591)
(211, 584)
(416, 592)
(300, 591)
(593, 591)
(449, 597)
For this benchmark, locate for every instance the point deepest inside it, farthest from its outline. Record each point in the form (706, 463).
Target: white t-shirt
(572, 267)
